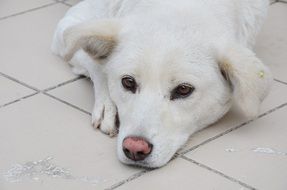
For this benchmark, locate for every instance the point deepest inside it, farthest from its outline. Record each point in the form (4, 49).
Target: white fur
(163, 44)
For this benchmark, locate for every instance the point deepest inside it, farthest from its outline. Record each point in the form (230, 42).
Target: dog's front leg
(104, 112)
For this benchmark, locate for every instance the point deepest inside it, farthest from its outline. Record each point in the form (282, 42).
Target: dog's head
(167, 84)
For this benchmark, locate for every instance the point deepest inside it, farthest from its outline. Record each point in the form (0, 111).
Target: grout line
(29, 10)
(232, 129)
(218, 172)
(18, 100)
(67, 103)
(282, 82)
(44, 92)
(65, 3)
(37, 91)
(64, 83)
(135, 176)
(215, 137)
(139, 174)
(19, 82)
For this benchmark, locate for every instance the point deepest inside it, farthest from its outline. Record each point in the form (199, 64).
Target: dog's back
(244, 17)
(241, 19)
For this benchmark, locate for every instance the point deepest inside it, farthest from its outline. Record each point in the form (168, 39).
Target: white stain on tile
(37, 170)
(268, 151)
(261, 150)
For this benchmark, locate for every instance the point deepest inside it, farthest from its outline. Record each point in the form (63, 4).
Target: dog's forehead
(165, 61)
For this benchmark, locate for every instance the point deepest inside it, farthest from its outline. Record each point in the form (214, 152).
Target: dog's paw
(105, 118)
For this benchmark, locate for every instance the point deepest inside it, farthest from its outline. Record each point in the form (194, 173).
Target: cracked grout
(217, 172)
(27, 11)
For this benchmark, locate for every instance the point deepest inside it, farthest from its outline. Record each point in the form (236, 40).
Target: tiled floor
(45, 112)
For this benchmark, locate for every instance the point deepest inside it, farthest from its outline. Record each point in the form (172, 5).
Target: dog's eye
(181, 91)
(129, 83)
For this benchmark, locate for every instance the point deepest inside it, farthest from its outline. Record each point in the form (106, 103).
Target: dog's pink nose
(136, 148)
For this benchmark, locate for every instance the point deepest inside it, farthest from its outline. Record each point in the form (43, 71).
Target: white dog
(165, 68)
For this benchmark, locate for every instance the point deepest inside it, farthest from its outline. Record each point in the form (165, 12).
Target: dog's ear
(248, 77)
(97, 38)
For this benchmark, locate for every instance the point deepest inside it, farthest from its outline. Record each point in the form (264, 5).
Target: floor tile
(11, 91)
(79, 93)
(180, 174)
(73, 2)
(41, 127)
(255, 154)
(277, 96)
(10, 7)
(35, 65)
(272, 41)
